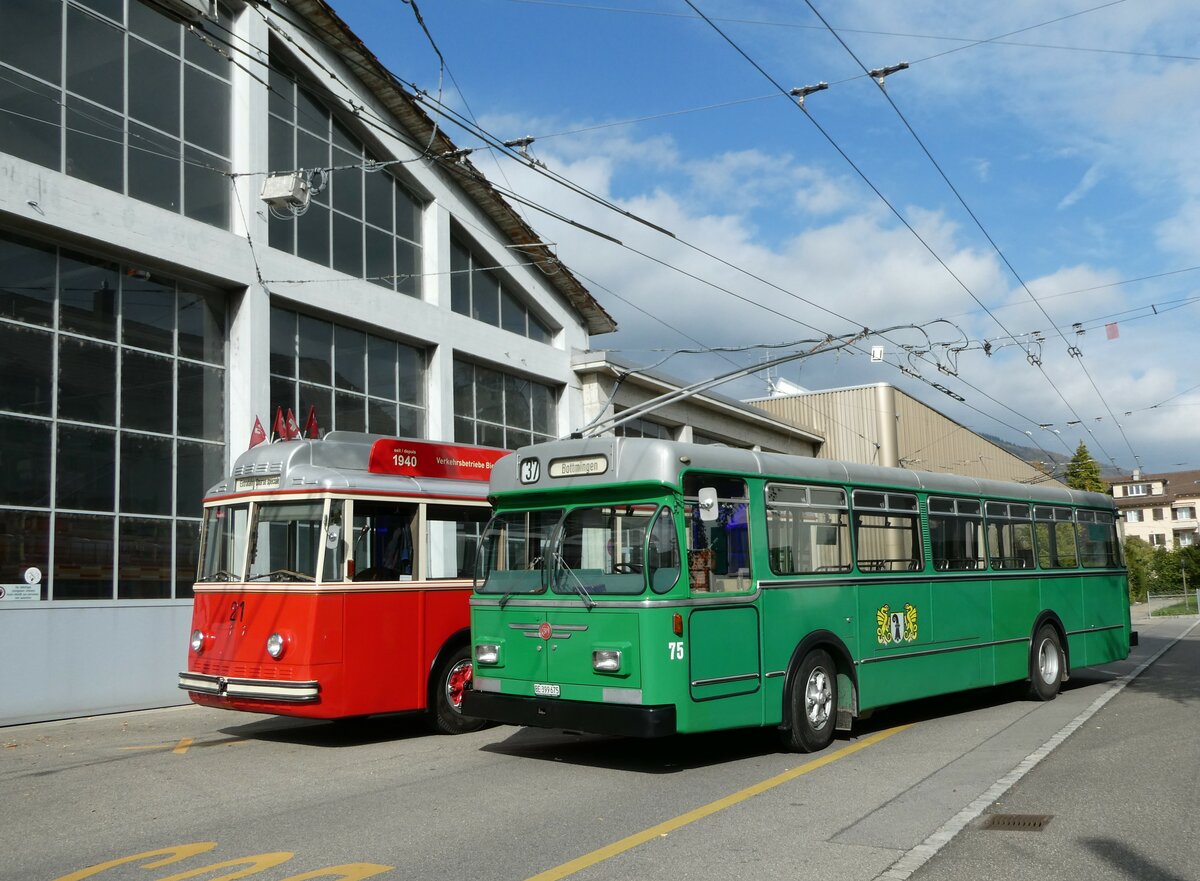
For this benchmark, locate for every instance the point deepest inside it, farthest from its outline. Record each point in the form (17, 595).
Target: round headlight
(275, 645)
(197, 641)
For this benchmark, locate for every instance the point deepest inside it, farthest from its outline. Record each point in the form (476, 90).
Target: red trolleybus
(334, 576)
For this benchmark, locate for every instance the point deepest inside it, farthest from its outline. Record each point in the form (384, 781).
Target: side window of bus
(718, 550)
(956, 534)
(887, 532)
(452, 537)
(808, 529)
(1097, 535)
(662, 552)
(382, 543)
(1054, 536)
(1009, 535)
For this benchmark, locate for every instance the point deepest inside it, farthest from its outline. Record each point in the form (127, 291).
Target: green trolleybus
(644, 587)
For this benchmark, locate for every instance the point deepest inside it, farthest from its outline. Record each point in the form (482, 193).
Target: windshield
(224, 543)
(285, 541)
(603, 550)
(514, 550)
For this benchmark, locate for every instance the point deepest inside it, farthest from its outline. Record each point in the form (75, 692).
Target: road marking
(182, 746)
(918, 856)
(618, 847)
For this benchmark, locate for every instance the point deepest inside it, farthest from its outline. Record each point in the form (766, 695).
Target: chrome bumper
(251, 689)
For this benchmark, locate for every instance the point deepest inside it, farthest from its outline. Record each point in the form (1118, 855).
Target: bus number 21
(676, 650)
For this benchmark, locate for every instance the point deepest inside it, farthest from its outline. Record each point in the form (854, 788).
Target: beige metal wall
(856, 423)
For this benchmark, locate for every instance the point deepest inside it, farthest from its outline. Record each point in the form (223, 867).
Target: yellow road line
(182, 746)
(618, 847)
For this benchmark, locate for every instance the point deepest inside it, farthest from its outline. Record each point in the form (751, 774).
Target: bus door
(723, 643)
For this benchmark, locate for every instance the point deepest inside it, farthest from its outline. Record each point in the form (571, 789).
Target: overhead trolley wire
(406, 138)
(1073, 351)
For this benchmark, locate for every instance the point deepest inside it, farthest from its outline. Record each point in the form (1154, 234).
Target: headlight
(275, 645)
(197, 641)
(487, 653)
(606, 660)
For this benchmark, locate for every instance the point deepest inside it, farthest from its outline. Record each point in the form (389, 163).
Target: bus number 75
(676, 650)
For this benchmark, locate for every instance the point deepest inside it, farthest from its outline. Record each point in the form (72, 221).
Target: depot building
(210, 213)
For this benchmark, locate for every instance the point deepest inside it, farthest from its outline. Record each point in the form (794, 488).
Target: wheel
(451, 679)
(1046, 664)
(812, 704)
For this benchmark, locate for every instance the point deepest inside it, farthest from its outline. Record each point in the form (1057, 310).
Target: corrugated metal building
(879, 424)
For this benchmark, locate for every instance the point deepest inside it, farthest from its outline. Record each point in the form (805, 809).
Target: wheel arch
(1049, 616)
(847, 676)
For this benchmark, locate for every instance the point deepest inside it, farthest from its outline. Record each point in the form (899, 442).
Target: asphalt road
(216, 796)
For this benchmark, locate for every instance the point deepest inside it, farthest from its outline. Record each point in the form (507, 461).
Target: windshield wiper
(219, 575)
(588, 602)
(535, 563)
(283, 575)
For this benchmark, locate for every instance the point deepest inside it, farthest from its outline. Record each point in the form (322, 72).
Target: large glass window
(887, 532)
(718, 549)
(115, 398)
(1099, 547)
(285, 540)
(452, 535)
(515, 553)
(956, 534)
(1009, 535)
(361, 219)
(382, 547)
(636, 427)
(351, 380)
(144, 108)
(1054, 532)
(603, 550)
(478, 290)
(808, 529)
(496, 409)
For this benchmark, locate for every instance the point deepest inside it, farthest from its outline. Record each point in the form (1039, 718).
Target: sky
(1014, 218)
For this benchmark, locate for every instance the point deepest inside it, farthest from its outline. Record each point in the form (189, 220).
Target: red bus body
(352, 637)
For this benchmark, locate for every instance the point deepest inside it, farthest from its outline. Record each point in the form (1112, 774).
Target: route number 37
(676, 650)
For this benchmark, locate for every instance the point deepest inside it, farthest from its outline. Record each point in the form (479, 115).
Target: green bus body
(669, 644)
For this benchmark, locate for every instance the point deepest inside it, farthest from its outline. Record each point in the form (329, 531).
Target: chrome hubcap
(818, 698)
(1048, 662)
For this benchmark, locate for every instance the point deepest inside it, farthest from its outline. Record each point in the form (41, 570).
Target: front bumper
(251, 689)
(592, 718)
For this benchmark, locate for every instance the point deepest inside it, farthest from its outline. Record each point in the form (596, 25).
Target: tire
(1047, 664)
(812, 704)
(450, 680)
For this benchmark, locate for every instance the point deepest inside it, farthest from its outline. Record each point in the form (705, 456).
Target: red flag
(290, 426)
(258, 434)
(1111, 331)
(277, 429)
(311, 429)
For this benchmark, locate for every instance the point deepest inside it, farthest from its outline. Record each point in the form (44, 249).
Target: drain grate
(1017, 822)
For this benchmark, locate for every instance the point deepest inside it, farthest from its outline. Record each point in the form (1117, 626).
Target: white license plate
(545, 690)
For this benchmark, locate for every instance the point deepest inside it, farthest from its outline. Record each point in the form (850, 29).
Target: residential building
(1161, 509)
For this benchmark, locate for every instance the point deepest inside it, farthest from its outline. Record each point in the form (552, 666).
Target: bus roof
(596, 461)
(360, 462)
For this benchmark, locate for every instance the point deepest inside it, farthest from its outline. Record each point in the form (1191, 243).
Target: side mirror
(707, 504)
